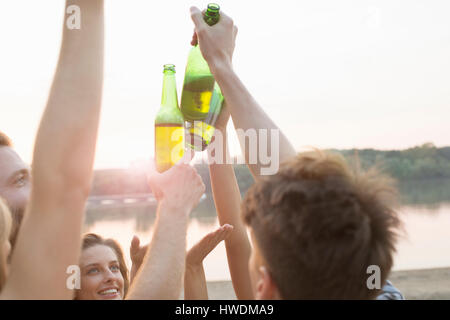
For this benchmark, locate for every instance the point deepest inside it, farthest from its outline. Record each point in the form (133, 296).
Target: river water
(425, 213)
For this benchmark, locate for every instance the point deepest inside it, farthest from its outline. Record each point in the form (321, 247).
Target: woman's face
(100, 275)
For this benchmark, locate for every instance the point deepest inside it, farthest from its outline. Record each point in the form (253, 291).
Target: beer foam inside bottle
(169, 125)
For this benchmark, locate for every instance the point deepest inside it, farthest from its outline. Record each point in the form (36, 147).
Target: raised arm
(227, 199)
(49, 238)
(178, 191)
(194, 278)
(217, 46)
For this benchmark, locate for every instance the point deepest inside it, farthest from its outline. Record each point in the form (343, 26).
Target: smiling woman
(104, 274)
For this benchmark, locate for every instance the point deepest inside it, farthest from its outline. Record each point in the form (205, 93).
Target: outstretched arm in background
(178, 191)
(217, 46)
(194, 278)
(49, 238)
(227, 199)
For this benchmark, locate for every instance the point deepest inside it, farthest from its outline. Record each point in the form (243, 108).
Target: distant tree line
(418, 163)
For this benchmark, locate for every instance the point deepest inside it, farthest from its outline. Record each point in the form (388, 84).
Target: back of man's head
(320, 225)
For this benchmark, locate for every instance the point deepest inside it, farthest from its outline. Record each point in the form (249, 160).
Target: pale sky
(333, 74)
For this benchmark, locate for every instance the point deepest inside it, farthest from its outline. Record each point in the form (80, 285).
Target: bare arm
(227, 199)
(194, 279)
(178, 191)
(161, 274)
(195, 283)
(49, 239)
(217, 46)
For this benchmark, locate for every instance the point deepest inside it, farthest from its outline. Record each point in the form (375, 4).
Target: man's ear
(266, 289)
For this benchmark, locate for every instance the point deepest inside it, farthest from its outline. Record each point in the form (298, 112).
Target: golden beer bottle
(169, 124)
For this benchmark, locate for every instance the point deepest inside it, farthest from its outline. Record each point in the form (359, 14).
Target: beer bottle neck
(212, 14)
(169, 95)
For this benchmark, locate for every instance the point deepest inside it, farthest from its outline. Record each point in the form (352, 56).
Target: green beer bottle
(201, 100)
(198, 83)
(200, 132)
(169, 124)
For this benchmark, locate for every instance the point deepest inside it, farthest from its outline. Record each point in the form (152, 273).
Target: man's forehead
(10, 162)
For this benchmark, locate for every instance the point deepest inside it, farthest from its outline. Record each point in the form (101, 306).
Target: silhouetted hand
(137, 254)
(180, 187)
(201, 249)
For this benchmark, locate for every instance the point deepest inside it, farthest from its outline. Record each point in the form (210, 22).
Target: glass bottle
(169, 124)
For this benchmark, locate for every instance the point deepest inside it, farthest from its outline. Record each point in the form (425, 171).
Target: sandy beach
(425, 284)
